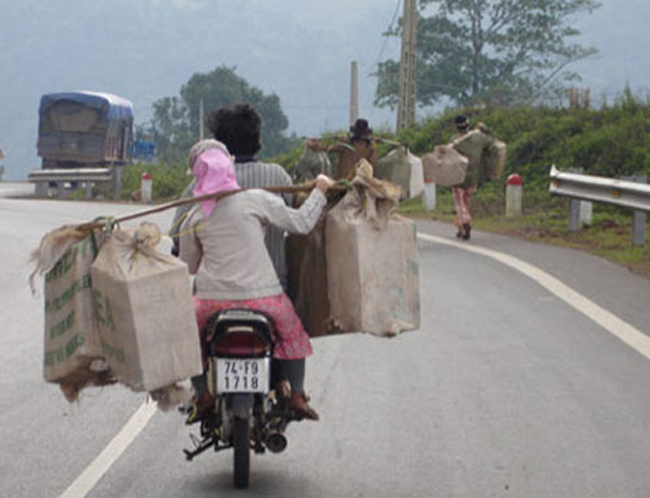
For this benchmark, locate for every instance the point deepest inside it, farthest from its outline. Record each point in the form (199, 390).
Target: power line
(312, 107)
(390, 27)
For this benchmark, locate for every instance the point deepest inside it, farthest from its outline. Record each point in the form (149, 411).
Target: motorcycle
(248, 413)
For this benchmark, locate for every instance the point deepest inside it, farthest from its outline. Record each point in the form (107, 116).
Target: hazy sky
(146, 49)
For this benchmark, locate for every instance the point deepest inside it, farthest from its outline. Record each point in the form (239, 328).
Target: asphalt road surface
(530, 377)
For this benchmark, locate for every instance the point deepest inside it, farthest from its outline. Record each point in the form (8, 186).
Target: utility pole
(354, 93)
(201, 119)
(407, 81)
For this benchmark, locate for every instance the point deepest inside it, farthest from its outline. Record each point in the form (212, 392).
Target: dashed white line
(610, 322)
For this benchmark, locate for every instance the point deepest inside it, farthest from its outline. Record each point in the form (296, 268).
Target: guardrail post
(580, 212)
(586, 212)
(117, 182)
(638, 230)
(40, 189)
(639, 218)
(574, 214)
(60, 189)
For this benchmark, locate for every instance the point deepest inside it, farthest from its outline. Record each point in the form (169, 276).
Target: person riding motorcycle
(222, 241)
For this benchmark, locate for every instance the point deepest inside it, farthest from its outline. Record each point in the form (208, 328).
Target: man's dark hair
(238, 126)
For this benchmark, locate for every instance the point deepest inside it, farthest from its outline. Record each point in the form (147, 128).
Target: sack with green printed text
(72, 352)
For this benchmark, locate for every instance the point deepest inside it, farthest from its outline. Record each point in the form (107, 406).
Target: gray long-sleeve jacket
(227, 251)
(252, 174)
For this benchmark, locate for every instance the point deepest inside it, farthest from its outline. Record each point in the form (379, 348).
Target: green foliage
(612, 141)
(289, 159)
(498, 52)
(168, 181)
(176, 119)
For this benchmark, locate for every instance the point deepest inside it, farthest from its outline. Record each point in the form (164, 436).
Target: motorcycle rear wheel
(241, 445)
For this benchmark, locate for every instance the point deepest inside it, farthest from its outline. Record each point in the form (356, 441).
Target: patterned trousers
(462, 203)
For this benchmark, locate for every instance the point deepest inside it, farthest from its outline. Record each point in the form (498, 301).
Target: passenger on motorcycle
(222, 241)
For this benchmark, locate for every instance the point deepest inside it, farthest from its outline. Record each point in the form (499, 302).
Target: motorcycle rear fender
(242, 405)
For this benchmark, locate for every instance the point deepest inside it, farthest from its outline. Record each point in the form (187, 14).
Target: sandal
(467, 229)
(201, 407)
(299, 403)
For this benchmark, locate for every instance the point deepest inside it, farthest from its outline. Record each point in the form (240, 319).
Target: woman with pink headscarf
(222, 241)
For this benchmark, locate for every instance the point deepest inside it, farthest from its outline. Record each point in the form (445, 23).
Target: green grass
(544, 220)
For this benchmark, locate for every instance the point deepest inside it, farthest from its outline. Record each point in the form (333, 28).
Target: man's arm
(190, 250)
(179, 217)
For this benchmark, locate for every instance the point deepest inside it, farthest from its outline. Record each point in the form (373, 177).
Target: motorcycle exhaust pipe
(276, 442)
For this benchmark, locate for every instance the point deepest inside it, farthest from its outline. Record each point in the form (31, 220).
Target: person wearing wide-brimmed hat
(359, 144)
(473, 145)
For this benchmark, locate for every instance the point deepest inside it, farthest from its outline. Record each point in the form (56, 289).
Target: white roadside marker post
(513, 196)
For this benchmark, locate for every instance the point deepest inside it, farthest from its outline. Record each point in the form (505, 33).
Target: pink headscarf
(214, 172)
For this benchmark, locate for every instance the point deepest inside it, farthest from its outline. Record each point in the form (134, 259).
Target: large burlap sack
(372, 261)
(313, 161)
(144, 311)
(444, 166)
(495, 160)
(307, 270)
(357, 271)
(72, 350)
(404, 169)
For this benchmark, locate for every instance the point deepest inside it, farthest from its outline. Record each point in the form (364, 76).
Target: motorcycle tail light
(240, 344)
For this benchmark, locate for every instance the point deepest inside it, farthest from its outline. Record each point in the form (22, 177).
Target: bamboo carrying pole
(291, 189)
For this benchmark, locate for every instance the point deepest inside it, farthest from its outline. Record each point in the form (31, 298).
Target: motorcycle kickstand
(200, 447)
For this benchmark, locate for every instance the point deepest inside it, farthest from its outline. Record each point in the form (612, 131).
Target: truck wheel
(241, 445)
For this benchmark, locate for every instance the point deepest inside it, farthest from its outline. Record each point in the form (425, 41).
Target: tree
(503, 52)
(176, 119)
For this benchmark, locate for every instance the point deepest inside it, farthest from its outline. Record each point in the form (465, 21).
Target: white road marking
(610, 322)
(94, 472)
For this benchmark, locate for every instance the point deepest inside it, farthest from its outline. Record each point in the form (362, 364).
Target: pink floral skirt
(291, 342)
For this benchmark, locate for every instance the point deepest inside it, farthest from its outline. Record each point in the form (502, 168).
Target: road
(508, 389)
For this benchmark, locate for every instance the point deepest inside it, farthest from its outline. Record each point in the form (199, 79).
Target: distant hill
(146, 49)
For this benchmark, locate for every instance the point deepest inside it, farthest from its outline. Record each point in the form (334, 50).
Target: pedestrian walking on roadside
(473, 145)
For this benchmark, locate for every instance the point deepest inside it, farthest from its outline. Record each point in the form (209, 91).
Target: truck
(83, 138)
(84, 129)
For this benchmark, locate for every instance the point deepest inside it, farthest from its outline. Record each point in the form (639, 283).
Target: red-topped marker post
(146, 187)
(513, 196)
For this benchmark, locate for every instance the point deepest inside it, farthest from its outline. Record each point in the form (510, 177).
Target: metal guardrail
(71, 175)
(599, 189)
(88, 176)
(624, 193)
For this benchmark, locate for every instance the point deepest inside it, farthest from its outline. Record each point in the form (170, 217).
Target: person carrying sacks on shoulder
(474, 146)
(359, 144)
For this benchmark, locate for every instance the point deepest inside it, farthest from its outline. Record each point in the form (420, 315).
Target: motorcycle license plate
(238, 375)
